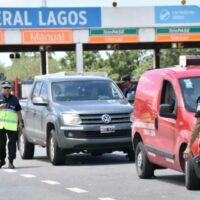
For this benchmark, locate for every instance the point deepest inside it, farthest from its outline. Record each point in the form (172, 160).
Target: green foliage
(115, 63)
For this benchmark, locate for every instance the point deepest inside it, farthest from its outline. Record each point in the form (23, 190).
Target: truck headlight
(70, 119)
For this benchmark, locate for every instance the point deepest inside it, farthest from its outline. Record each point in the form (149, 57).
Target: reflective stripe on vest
(8, 119)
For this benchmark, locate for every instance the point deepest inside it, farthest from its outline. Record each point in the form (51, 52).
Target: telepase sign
(28, 18)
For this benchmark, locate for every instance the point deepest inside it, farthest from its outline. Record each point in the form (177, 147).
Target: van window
(190, 92)
(168, 96)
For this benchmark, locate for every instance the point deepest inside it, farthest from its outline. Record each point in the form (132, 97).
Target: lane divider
(10, 170)
(28, 175)
(77, 190)
(50, 182)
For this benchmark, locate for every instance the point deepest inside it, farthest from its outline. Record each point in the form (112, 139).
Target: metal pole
(156, 58)
(79, 57)
(43, 62)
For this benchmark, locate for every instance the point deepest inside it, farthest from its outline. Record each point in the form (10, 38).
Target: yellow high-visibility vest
(8, 119)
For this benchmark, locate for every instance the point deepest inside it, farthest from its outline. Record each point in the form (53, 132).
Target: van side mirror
(166, 111)
(39, 101)
(131, 97)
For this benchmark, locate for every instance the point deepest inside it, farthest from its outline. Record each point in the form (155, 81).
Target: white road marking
(10, 170)
(50, 182)
(106, 198)
(28, 175)
(77, 190)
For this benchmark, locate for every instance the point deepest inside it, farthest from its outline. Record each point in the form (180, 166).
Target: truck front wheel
(144, 168)
(56, 155)
(26, 149)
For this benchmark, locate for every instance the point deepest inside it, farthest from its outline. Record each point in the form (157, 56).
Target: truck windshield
(85, 90)
(191, 91)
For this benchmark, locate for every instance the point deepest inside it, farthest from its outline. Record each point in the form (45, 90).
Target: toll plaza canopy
(65, 28)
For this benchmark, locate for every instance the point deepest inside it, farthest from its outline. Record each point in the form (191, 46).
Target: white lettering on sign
(41, 23)
(83, 18)
(73, 18)
(19, 18)
(51, 19)
(36, 37)
(7, 15)
(62, 20)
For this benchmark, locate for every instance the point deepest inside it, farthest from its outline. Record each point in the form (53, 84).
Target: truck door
(166, 127)
(40, 114)
(30, 111)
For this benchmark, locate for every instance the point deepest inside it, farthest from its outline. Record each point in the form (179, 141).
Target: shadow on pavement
(87, 159)
(173, 179)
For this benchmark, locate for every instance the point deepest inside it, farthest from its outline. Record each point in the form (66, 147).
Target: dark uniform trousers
(12, 136)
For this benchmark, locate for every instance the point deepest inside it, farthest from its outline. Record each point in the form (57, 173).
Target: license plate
(107, 129)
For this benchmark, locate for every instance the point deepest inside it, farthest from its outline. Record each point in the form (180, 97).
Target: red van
(164, 116)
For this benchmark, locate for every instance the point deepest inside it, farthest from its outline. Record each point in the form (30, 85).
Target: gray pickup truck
(69, 114)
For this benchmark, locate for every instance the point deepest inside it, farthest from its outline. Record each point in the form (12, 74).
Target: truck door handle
(156, 123)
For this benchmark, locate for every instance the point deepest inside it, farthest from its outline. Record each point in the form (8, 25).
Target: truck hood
(90, 107)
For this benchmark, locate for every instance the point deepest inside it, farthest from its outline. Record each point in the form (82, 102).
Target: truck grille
(116, 118)
(97, 134)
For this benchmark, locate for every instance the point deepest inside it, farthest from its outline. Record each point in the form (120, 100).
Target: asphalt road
(85, 177)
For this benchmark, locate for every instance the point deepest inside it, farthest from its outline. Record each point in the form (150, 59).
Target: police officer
(10, 121)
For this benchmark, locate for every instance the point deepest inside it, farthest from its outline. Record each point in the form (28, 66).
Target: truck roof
(178, 72)
(53, 78)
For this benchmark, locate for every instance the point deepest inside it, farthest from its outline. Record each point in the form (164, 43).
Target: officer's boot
(10, 165)
(2, 162)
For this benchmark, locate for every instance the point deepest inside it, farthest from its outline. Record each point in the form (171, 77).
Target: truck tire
(26, 149)
(191, 180)
(144, 168)
(56, 155)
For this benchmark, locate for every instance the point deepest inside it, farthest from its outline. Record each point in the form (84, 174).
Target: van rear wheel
(191, 180)
(144, 168)
(56, 155)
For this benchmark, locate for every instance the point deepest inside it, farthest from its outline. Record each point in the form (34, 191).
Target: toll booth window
(190, 92)
(168, 96)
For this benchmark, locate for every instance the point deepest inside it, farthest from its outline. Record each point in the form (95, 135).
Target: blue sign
(34, 18)
(177, 14)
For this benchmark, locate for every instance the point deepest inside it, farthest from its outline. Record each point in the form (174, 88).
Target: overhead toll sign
(34, 18)
(177, 14)
(1, 37)
(117, 35)
(47, 36)
(179, 34)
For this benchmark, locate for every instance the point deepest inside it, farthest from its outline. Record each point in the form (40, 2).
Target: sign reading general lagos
(1, 37)
(114, 35)
(34, 18)
(178, 34)
(177, 14)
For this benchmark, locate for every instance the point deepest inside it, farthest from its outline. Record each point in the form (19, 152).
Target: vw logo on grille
(106, 118)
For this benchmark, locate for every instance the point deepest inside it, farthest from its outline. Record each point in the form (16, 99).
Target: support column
(156, 58)
(44, 62)
(79, 57)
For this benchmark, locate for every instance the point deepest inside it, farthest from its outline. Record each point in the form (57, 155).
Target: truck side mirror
(166, 111)
(131, 97)
(39, 101)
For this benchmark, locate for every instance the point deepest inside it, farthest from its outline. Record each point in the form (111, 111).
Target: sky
(4, 57)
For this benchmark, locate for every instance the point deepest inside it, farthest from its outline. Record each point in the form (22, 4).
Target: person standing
(127, 85)
(10, 121)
